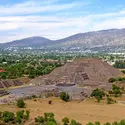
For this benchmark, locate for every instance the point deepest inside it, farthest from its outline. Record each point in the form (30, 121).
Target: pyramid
(83, 72)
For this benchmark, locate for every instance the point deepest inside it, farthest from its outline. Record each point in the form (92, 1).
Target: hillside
(112, 37)
(30, 41)
(105, 40)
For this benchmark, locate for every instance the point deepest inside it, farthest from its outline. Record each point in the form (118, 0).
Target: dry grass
(83, 112)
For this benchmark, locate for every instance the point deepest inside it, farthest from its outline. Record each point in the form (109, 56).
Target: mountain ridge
(87, 40)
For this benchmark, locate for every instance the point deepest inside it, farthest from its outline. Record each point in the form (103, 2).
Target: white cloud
(50, 26)
(31, 7)
(8, 26)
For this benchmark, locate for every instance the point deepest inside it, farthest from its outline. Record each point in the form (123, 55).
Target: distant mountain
(30, 41)
(112, 37)
(104, 40)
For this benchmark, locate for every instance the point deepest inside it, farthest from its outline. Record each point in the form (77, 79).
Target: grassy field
(83, 112)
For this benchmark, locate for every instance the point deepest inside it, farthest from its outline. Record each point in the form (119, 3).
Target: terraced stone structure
(10, 83)
(3, 92)
(88, 72)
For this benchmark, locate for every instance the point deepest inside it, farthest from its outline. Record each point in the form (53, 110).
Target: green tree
(111, 80)
(97, 123)
(115, 123)
(90, 123)
(3, 75)
(20, 103)
(116, 90)
(122, 122)
(65, 121)
(64, 96)
(107, 123)
(110, 100)
(74, 122)
(40, 119)
(26, 115)
(8, 116)
(98, 94)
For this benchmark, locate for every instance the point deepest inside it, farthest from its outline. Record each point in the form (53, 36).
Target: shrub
(31, 76)
(122, 122)
(18, 120)
(64, 96)
(20, 103)
(3, 75)
(51, 121)
(110, 100)
(20, 114)
(116, 90)
(97, 123)
(98, 94)
(73, 122)
(40, 119)
(121, 79)
(123, 71)
(47, 119)
(27, 114)
(8, 116)
(111, 80)
(90, 123)
(65, 121)
(115, 123)
(107, 123)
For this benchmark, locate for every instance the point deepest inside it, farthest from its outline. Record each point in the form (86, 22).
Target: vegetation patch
(19, 117)
(98, 94)
(119, 79)
(64, 96)
(20, 103)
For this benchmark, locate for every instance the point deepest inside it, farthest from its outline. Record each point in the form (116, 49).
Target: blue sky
(56, 19)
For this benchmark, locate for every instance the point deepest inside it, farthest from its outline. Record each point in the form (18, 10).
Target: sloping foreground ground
(83, 112)
(83, 72)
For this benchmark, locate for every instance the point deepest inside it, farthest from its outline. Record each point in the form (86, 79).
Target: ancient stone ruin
(89, 72)
(3, 93)
(10, 83)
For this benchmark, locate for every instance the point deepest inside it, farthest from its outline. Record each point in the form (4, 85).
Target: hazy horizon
(62, 37)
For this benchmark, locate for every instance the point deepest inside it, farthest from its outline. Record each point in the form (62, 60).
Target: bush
(47, 119)
(97, 123)
(123, 71)
(110, 100)
(73, 122)
(40, 119)
(8, 116)
(3, 75)
(65, 121)
(18, 120)
(20, 114)
(122, 122)
(20, 103)
(111, 80)
(11, 118)
(116, 90)
(27, 115)
(31, 76)
(121, 79)
(64, 96)
(90, 123)
(98, 94)
(107, 123)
